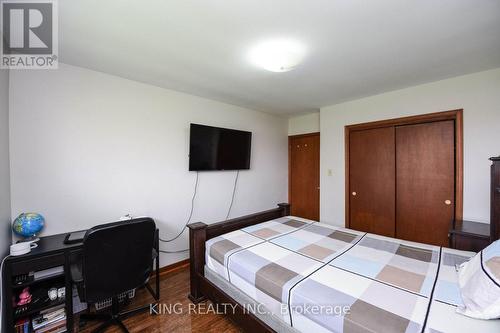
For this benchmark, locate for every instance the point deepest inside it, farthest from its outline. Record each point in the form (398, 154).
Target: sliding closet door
(425, 178)
(372, 181)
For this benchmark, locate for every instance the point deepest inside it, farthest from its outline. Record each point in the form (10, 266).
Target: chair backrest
(117, 257)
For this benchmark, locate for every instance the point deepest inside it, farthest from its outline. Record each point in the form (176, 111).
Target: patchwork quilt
(402, 264)
(319, 241)
(373, 306)
(267, 273)
(219, 249)
(321, 278)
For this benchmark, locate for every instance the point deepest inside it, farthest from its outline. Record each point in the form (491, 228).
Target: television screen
(215, 148)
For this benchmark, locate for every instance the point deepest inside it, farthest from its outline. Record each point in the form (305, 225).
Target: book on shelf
(23, 278)
(22, 326)
(54, 327)
(50, 272)
(54, 308)
(48, 318)
(37, 324)
(53, 314)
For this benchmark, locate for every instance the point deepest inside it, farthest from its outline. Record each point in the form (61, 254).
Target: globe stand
(31, 240)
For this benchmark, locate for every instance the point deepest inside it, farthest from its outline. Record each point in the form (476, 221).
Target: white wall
(478, 94)
(87, 148)
(308, 123)
(5, 233)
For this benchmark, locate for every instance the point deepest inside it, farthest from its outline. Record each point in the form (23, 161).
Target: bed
(288, 274)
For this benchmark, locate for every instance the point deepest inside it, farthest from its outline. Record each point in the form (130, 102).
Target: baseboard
(172, 268)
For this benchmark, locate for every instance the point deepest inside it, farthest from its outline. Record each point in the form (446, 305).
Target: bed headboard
(200, 232)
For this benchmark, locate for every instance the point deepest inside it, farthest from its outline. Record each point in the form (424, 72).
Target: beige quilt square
(265, 233)
(401, 278)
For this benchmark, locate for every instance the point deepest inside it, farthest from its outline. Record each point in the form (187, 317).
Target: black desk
(47, 245)
(51, 252)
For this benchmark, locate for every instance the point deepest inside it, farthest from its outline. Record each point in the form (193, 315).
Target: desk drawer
(37, 264)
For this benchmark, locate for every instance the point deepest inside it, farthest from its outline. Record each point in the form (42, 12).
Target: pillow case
(479, 281)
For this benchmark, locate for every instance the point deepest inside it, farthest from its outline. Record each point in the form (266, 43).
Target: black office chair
(116, 258)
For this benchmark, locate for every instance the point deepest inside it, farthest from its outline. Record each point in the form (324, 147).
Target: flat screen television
(215, 148)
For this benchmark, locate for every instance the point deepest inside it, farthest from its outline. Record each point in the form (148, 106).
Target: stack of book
(52, 320)
(22, 326)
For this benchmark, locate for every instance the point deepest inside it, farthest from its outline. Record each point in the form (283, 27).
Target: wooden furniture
(404, 176)
(495, 198)
(474, 236)
(469, 236)
(201, 287)
(303, 173)
(51, 252)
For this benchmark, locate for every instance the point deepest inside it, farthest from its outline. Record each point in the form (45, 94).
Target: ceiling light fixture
(277, 55)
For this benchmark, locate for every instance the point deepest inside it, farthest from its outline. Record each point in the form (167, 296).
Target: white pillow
(479, 280)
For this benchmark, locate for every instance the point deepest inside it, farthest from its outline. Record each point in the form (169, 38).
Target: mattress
(317, 277)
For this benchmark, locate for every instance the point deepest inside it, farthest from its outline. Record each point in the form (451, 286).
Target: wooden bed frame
(201, 288)
(199, 233)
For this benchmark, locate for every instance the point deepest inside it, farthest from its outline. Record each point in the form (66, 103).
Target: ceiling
(355, 48)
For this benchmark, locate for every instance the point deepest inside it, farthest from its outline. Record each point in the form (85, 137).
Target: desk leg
(69, 294)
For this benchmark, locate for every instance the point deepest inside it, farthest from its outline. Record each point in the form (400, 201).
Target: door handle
(447, 202)
(354, 194)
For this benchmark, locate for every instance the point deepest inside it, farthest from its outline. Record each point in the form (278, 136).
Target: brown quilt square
(342, 236)
(271, 278)
(219, 249)
(414, 253)
(364, 318)
(316, 251)
(294, 223)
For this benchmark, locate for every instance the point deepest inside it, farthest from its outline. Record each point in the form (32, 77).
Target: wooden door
(372, 181)
(304, 175)
(425, 178)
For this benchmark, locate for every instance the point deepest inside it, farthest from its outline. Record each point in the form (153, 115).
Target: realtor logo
(29, 31)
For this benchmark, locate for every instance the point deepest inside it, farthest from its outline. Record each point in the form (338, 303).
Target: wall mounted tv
(215, 148)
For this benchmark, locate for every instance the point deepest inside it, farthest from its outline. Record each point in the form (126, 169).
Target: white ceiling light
(277, 55)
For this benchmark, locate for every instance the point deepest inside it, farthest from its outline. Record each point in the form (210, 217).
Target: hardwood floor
(174, 290)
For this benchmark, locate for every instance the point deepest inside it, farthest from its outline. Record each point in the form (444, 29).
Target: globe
(28, 224)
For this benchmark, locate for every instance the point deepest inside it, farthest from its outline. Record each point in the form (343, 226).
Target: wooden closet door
(304, 175)
(425, 162)
(372, 181)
